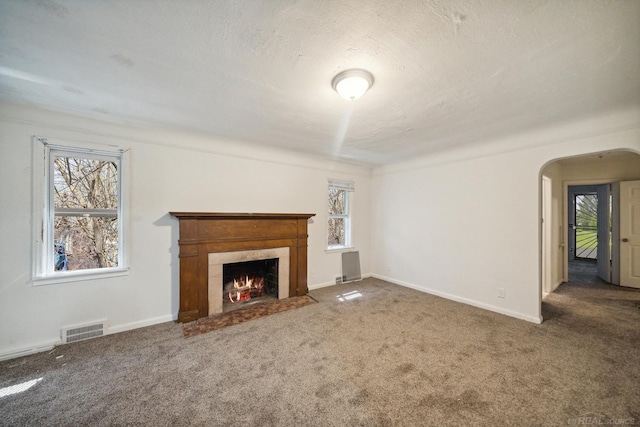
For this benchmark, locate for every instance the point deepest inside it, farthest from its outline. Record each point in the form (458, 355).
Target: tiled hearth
(212, 323)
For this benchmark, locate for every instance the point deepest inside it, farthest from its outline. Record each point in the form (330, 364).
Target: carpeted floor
(368, 353)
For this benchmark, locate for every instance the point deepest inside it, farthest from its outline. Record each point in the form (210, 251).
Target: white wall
(460, 223)
(466, 222)
(169, 172)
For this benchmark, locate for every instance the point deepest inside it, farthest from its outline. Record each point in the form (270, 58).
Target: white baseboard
(555, 286)
(49, 345)
(467, 301)
(327, 284)
(321, 285)
(140, 324)
(26, 351)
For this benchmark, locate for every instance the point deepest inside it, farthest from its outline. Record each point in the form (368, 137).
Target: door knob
(625, 240)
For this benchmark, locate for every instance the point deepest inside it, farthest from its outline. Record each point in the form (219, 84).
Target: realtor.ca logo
(592, 419)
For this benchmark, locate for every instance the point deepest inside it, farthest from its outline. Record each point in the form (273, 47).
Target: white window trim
(338, 249)
(42, 231)
(349, 187)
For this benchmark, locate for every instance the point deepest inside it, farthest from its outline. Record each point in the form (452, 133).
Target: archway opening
(581, 180)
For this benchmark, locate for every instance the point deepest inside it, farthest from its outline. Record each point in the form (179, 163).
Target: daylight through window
(339, 219)
(84, 197)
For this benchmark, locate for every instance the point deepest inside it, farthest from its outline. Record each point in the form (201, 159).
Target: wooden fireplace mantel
(202, 233)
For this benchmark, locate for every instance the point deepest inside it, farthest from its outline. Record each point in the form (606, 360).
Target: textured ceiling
(447, 73)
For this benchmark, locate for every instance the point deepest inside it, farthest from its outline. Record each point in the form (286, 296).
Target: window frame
(348, 187)
(43, 271)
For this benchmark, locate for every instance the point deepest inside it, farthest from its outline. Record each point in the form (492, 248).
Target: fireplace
(220, 284)
(248, 282)
(208, 241)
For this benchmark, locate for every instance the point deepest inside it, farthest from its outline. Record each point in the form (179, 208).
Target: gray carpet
(384, 355)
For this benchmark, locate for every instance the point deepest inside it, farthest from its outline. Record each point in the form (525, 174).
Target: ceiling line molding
(201, 143)
(506, 145)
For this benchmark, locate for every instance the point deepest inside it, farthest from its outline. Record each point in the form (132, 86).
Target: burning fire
(245, 288)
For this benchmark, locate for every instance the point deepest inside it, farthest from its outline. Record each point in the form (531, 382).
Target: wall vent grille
(83, 332)
(351, 266)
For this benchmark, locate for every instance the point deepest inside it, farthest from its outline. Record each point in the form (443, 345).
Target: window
(339, 219)
(80, 229)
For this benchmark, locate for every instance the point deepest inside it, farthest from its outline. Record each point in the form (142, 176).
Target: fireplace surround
(208, 237)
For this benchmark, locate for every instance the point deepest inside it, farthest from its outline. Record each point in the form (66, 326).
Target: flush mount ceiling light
(352, 84)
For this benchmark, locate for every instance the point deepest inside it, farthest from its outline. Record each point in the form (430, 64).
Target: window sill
(338, 249)
(78, 276)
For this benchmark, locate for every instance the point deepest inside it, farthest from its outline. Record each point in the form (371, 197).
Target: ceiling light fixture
(352, 84)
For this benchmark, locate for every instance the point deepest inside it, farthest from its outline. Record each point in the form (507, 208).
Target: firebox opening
(249, 282)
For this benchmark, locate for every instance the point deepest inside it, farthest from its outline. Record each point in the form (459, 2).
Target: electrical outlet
(500, 292)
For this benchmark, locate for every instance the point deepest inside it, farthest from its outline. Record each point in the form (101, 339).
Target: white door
(630, 234)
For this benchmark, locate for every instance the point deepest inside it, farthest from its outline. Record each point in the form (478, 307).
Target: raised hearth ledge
(218, 259)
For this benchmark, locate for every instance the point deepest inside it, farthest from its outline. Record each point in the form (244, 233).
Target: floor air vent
(83, 332)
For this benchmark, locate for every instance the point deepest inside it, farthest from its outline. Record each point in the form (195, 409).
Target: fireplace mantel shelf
(238, 215)
(202, 233)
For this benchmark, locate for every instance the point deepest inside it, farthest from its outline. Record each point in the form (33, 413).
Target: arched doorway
(562, 179)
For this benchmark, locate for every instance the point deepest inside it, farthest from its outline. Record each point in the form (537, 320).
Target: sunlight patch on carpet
(349, 296)
(18, 388)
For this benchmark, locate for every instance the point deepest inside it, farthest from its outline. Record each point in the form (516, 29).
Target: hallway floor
(584, 271)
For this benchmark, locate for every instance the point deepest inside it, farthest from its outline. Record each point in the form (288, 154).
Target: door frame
(615, 233)
(546, 234)
(565, 217)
